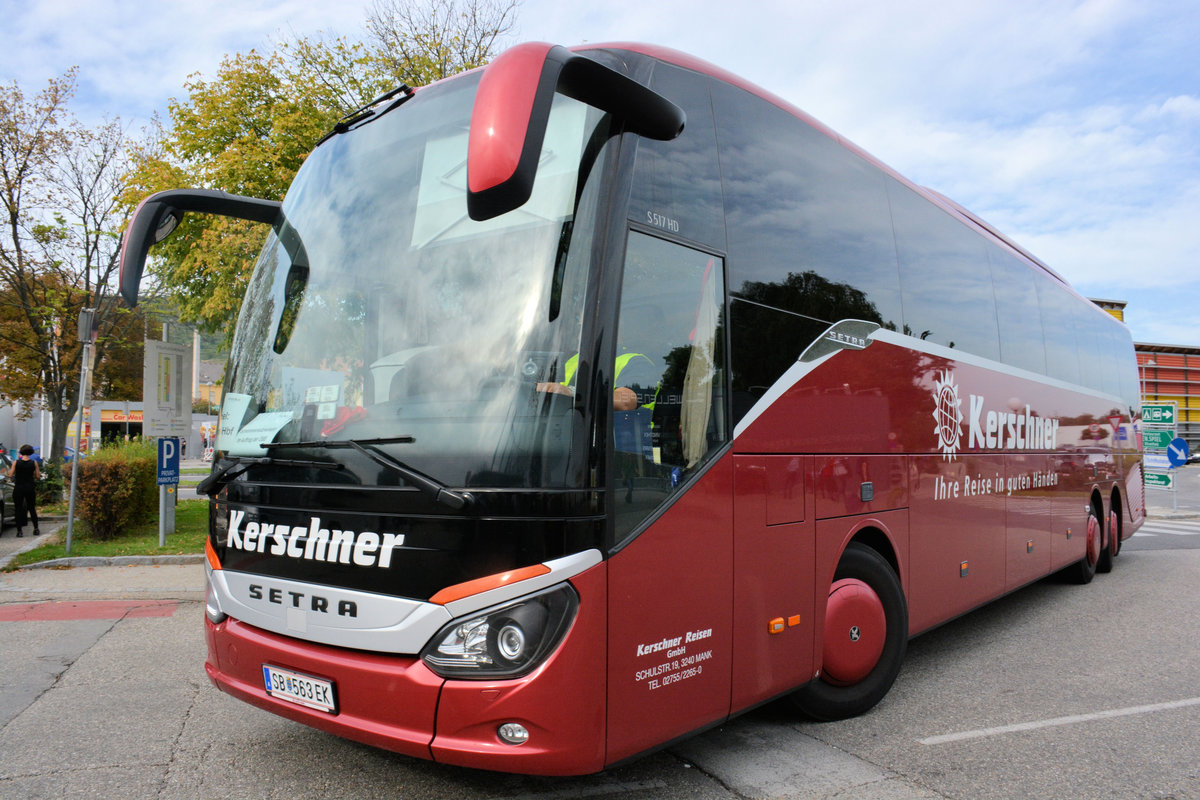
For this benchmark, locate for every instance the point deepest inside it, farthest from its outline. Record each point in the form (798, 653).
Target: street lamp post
(88, 328)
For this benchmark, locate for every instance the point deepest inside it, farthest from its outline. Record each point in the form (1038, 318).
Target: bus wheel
(1085, 569)
(1114, 532)
(1104, 563)
(866, 635)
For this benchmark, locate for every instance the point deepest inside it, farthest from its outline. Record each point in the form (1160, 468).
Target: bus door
(774, 551)
(670, 495)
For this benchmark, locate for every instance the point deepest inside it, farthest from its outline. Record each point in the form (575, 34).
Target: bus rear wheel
(1113, 546)
(866, 636)
(1085, 569)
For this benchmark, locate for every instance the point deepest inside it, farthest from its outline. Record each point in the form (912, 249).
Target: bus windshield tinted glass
(379, 310)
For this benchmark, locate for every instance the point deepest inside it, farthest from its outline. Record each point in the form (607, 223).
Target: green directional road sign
(1157, 439)
(1159, 480)
(1158, 413)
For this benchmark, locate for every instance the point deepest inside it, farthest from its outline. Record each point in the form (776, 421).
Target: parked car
(7, 509)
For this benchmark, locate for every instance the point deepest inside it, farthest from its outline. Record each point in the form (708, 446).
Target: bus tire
(860, 662)
(1085, 569)
(1114, 532)
(1104, 563)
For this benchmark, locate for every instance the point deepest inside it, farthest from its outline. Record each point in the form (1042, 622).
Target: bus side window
(1062, 349)
(944, 270)
(677, 184)
(1022, 341)
(810, 239)
(670, 344)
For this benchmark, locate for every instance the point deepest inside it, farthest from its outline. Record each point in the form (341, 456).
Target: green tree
(59, 184)
(245, 131)
(248, 129)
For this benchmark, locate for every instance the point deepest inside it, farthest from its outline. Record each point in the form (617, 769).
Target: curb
(115, 561)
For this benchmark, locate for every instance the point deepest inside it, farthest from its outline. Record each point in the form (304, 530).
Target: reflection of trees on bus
(776, 322)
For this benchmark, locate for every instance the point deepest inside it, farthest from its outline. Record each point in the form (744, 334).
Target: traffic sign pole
(168, 481)
(1163, 450)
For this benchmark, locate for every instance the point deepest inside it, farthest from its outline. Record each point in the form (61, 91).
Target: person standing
(24, 473)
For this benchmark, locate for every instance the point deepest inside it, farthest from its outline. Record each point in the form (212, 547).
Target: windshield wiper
(368, 111)
(439, 491)
(213, 482)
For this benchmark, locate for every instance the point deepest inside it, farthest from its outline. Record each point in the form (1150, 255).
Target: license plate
(303, 690)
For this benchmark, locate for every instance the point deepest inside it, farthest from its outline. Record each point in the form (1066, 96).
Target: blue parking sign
(168, 461)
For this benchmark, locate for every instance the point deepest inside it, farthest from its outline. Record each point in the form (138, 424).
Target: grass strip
(191, 528)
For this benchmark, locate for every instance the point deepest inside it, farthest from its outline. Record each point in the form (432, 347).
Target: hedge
(118, 487)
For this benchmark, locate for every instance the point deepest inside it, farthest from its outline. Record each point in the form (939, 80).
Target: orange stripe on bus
(211, 555)
(461, 590)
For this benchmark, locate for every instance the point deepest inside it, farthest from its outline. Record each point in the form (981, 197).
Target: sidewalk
(165, 577)
(159, 577)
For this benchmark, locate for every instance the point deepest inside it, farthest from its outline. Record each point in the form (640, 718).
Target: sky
(1073, 126)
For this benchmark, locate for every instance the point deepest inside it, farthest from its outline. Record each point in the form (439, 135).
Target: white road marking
(1056, 721)
(1186, 527)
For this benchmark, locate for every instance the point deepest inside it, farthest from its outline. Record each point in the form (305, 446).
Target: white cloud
(133, 57)
(1186, 107)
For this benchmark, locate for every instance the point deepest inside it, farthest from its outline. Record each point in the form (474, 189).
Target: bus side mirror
(512, 108)
(158, 215)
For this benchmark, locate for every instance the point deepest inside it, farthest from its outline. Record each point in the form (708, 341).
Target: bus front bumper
(397, 703)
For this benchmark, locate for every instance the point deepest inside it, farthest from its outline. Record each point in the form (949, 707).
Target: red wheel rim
(855, 631)
(1114, 533)
(1093, 540)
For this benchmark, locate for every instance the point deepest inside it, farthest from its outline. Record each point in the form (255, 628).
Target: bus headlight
(506, 641)
(212, 609)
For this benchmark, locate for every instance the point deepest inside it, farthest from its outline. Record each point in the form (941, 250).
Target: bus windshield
(380, 312)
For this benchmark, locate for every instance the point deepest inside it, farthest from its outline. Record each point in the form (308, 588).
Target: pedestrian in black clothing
(24, 474)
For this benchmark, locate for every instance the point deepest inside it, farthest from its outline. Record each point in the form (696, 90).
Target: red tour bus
(583, 401)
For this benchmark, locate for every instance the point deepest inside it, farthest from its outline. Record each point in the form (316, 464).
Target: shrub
(118, 487)
(50, 488)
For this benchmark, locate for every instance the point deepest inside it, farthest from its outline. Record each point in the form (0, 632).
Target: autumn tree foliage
(59, 189)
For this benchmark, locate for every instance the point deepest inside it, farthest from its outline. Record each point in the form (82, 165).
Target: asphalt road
(1056, 691)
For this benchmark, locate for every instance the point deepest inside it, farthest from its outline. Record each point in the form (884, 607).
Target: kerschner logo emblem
(1015, 428)
(947, 414)
(312, 541)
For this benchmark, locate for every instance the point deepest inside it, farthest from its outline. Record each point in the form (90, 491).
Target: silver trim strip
(800, 369)
(381, 623)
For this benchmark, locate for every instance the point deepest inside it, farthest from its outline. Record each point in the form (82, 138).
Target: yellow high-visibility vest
(622, 361)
